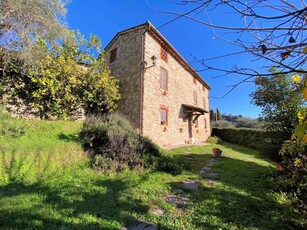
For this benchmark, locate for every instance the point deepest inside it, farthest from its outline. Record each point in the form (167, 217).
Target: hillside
(46, 183)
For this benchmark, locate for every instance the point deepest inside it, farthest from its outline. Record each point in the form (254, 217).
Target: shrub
(102, 163)
(293, 179)
(170, 164)
(112, 137)
(213, 140)
(253, 138)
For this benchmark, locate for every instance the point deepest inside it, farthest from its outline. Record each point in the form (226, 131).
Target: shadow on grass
(247, 151)
(241, 198)
(54, 203)
(68, 137)
(218, 208)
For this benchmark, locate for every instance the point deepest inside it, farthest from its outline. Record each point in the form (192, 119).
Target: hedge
(252, 138)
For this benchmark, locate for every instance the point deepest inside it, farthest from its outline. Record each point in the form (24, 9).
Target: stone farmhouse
(162, 95)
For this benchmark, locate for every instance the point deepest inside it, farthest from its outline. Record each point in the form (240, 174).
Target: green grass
(46, 183)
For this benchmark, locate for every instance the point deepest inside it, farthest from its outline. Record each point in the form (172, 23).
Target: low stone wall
(20, 109)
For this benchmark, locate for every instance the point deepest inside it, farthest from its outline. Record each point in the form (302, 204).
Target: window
(163, 115)
(204, 102)
(113, 55)
(163, 55)
(163, 79)
(194, 80)
(205, 122)
(195, 97)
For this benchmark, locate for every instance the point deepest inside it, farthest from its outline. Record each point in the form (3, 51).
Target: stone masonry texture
(143, 111)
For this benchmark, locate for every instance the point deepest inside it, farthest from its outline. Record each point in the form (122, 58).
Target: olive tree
(22, 22)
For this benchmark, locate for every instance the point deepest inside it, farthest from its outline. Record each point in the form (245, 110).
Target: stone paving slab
(190, 184)
(206, 168)
(188, 157)
(173, 199)
(211, 175)
(178, 190)
(141, 225)
(212, 160)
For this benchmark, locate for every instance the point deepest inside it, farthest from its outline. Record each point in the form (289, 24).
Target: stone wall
(20, 109)
(127, 67)
(180, 91)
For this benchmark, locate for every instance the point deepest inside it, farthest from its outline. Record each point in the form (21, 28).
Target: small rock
(188, 157)
(211, 175)
(212, 160)
(178, 190)
(206, 168)
(173, 199)
(157, 211)
(210, 164)
(142, 225)
(190, 185)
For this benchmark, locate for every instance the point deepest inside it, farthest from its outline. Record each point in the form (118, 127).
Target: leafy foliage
(300, 131)
(232, 121)
(68, 78)
(293, 179)
(112, 136)
(253, 138)
(213, 140)
(279, 103)
(46, 173)
(23, 21)
(168, 163)
(19, 28)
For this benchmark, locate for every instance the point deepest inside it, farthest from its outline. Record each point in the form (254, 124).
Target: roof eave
(161, 39)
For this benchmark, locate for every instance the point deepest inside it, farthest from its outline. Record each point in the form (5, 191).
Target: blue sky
(105, 18)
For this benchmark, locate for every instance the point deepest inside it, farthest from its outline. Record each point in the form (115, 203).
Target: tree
(222, 124)
(279, 102)
(24, 21)
(69, 77)
(218, 115)
(212, 115)
(270, 31)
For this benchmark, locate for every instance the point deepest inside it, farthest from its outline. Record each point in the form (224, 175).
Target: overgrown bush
(114, 145)
(101, 163)
(111, 137)
(293, 179)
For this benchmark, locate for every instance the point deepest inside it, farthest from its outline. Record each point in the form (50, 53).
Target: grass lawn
(46, 183)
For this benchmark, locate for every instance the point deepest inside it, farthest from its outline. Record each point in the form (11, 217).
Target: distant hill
(237, 121)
